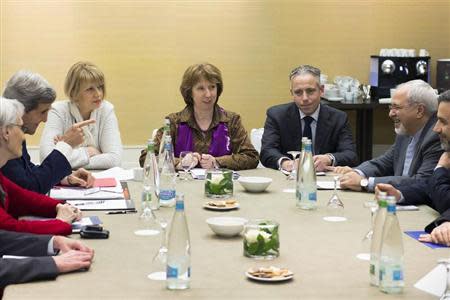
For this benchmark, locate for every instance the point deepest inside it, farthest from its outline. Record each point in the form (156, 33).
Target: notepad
(92, 220)
(415, 235)
(105, 182)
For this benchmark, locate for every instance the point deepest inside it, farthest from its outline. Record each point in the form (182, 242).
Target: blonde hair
(81, 73)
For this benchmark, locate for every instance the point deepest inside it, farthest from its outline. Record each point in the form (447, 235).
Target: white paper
(83, 222)
(14, 257)
(407, 208)
(327, 185)
(198, 173)
(116, 172)
(102, 205)
(434, 282)
(76, 193)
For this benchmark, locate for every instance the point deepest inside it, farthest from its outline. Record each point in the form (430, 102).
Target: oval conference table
(321, 254)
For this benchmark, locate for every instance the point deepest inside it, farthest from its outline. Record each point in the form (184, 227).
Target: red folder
(105, 182)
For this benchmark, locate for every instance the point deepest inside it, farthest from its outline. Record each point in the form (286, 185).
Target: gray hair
(10, 110)
(30, 89)
(305, 69)
(420, 92)
(444, 97)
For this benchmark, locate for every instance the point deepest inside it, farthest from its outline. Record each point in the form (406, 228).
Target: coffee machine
(443, 75)
(386, 72)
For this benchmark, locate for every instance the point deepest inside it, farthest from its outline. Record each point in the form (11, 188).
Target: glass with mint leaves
(219, 183)
(261, 239)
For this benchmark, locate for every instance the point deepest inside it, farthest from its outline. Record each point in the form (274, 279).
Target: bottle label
(179, 205)
(312, 196)
(397, 275)
(391, 208)
(166, 195)
(172, 272)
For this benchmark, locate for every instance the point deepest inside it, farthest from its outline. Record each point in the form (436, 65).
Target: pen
(118, 212)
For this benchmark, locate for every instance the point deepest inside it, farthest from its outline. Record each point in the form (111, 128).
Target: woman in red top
(15, 201)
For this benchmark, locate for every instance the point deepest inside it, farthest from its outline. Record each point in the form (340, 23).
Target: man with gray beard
(435, 191)
(416, 149)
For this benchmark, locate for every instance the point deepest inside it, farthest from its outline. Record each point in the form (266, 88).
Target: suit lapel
(295, 126)
(322, 128)
(426, 129)
(403, 147)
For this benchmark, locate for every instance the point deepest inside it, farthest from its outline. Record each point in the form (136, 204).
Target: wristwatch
(364, 183)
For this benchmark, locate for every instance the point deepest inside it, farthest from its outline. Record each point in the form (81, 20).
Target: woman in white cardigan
(102, 147)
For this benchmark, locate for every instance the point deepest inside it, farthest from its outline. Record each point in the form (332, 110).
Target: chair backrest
(155, 131)
(255, 137)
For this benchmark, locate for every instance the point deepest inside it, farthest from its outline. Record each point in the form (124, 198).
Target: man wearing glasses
(286, 124)
(416, 149)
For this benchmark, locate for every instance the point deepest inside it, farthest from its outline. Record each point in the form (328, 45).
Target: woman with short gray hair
(15, 201)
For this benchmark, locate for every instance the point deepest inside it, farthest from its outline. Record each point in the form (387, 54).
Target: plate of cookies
(228, 204)
(269, 274)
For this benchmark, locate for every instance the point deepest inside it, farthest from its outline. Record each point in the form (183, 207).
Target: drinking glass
(367, 239)
(261, 239)
(159, 261)
(335, 207)
(186, 161)
(219, 183)
(147, 218)
(446, 263)
(293, 175)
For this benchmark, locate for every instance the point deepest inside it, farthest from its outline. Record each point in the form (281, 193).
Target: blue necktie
(307, 132)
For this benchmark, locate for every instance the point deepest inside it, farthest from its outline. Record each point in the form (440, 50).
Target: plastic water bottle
(391, 258)
(167, 176)
(150, 183)
(375, 246)
(306, 191)
(179, 249)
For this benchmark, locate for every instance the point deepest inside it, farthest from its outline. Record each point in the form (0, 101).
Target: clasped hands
(74, 254)
(321, 163)
(206, 161)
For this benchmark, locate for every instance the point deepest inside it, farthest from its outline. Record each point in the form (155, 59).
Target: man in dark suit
(416, 149)
(39, 264)
(327, 127)
(435, 191)
(35, 93)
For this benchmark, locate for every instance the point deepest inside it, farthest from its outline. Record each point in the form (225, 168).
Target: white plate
(274, 279)
(231, 207)
(335, 99)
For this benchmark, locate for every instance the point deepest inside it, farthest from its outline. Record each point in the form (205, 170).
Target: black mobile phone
(94, 232)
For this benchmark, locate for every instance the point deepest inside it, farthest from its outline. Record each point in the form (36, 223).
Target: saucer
(335, 99)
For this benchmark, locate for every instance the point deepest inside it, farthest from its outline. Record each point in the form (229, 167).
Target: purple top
(220, 141)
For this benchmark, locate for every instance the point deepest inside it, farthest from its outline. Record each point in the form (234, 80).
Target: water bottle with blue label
(391, 257)
(306, 191)
(167, 180)
(179, 249)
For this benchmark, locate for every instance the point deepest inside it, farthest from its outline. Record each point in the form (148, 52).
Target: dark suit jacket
(388, 168)
(22, 270)
(283, 133)
(38, 178)
(434, 192)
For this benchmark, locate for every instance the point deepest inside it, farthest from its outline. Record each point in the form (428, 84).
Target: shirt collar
(314, 115)
(219, 115)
